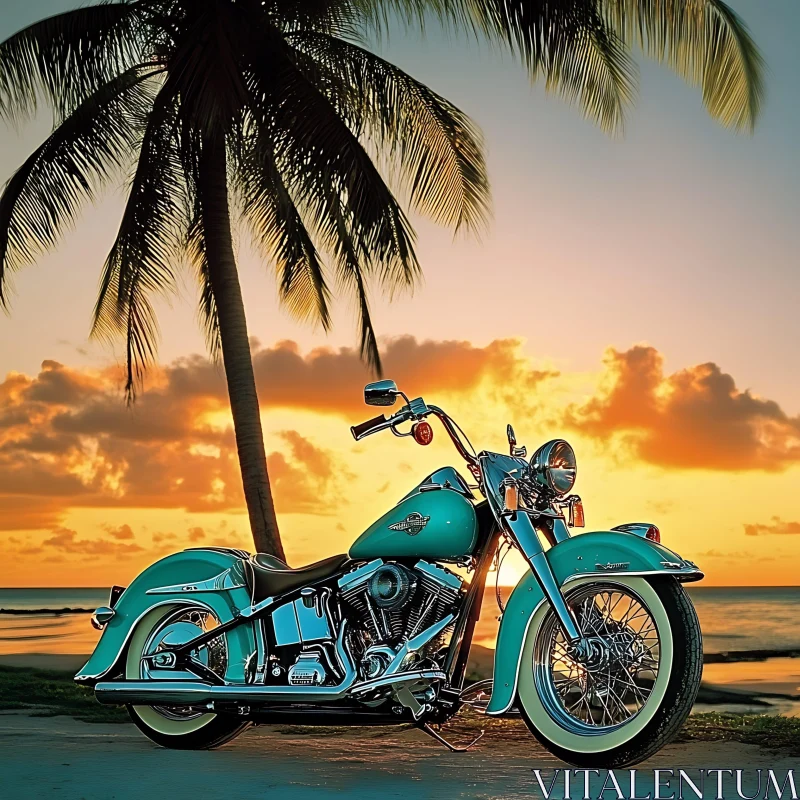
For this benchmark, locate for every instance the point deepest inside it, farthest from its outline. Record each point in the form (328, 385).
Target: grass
(775, 732)
(49, 693)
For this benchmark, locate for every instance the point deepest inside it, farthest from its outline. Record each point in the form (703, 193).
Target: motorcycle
(599, 647)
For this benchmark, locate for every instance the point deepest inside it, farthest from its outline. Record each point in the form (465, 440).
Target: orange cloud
(65, 540)
(694, 418)
(777, 526)
(312, 481)
(68, 441)
(332, 381)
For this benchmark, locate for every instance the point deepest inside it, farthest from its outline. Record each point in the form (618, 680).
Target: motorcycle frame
(460, 642)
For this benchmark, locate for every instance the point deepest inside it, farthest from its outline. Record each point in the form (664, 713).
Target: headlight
(553, 467)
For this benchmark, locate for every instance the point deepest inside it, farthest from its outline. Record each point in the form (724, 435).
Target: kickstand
(451, 747)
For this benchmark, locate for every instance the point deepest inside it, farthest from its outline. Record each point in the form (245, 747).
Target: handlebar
(416, 409)
(370, 426)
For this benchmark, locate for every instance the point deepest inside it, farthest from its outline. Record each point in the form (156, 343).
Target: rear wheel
(179, 727)
(631, 696)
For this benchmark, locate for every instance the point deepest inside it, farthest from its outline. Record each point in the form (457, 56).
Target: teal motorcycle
(599, 647)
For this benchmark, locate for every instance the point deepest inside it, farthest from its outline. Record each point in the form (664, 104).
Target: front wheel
(634, 691)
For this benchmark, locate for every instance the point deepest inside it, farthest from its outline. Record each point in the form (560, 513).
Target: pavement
(58, 757)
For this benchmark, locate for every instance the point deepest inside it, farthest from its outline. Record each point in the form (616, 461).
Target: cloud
(311, 481)
(67, 440)
(693, 418)
(65, 540)
(196, 534)
(777, 526)
(332, 380)
(122, 532)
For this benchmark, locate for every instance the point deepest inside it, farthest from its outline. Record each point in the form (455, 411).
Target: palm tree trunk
(236, 357)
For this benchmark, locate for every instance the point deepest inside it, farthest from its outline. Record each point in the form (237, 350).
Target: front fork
(523, 532)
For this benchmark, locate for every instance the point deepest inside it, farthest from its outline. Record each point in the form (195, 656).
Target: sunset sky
(637, 296)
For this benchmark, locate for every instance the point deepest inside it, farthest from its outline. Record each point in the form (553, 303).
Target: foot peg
(451, 747)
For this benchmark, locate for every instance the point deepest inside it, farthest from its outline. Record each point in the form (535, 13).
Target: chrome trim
(420, 640)
(158, 692)
(254, 609)
(231, 578)
(346, 582)
(227, 550)
(261, 651)
(102, 616)
(439, 574)
(403, 678)
(636, 528)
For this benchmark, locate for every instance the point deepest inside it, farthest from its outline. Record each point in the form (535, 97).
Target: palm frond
(567, 43)
(209, 317)
(68, 57)
(317, 153)
(438, 149)
(205, 67)
(352, 257)
(706, 43)
(139, 264)
(279, 228)
(44, 195)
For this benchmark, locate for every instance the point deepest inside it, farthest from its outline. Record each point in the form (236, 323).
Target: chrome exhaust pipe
(199, 693)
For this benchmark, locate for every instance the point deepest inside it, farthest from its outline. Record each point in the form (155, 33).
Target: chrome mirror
(381, 393)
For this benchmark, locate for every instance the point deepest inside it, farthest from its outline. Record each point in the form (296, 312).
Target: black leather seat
(272, 577)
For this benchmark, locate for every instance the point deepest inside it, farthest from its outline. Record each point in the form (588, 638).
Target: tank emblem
(412, 524)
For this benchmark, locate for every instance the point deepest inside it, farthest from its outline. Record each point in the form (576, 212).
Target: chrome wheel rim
(606, 690)
(181, 626)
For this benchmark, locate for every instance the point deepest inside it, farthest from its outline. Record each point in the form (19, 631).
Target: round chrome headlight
(554, 468)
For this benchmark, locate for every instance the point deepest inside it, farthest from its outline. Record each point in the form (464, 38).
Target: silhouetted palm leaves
(280, 103)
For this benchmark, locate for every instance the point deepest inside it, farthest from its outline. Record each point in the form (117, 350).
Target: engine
(392, 603)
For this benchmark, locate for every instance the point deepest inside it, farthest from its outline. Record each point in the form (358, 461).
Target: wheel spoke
(614, 683)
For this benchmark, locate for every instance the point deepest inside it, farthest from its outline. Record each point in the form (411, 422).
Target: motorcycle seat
(271, 577)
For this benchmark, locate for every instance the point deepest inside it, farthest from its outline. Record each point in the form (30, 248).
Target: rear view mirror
(381, 393)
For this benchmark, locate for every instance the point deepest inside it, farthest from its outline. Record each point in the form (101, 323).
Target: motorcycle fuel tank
(434, 522)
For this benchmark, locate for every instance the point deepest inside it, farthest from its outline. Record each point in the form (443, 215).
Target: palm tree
(280, 107)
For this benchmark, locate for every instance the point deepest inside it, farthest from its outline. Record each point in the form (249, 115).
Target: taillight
(653, 534)
(116, 593)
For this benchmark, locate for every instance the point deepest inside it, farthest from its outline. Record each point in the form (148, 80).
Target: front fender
(187, 567)
(602, 553)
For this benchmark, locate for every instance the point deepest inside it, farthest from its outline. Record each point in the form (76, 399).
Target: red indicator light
(653, 534)
(422, 433)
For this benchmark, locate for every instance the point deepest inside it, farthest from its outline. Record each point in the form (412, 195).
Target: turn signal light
(422, 433)
(653, 534)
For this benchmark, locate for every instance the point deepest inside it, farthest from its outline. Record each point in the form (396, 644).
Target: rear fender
(601, 554)
(179, 577)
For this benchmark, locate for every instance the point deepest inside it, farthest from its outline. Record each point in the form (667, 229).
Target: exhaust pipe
(199, 693)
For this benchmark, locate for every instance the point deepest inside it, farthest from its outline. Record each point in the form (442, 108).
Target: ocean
(732, 619)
